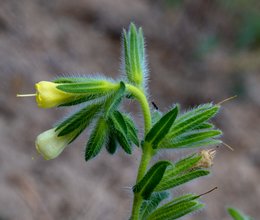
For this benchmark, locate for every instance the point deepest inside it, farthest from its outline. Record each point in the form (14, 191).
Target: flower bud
(49, 145)
(48, 96)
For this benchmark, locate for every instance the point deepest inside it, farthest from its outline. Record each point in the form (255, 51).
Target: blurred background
(198, 51)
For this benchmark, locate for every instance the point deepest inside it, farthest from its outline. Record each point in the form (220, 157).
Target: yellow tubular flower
(49, 145)
(48, 96)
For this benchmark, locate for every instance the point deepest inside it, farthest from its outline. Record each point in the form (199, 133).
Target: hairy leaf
(156, 116)
(97, 139)
(191, 120)
(111, 145)
(161, 128)
(192, 139)
(131, 130)
(204, 125)
(179, 180)
(151, 179)
(78, 121)
(175, 211)
(181, 166)
(183, 198)
(150, 205)
(119, 127)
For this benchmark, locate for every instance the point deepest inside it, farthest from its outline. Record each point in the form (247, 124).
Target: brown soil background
(40, 40)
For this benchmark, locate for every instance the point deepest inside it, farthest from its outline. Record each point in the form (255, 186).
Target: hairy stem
(147, 149)
(140, 96)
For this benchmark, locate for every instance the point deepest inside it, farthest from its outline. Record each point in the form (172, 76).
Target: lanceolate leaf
(150, 205)
(97, 139)
(79, 121)
(187, 123)
(131, 130)
(193, 111)
(181, 166)
(161, 128)
(179, 180)
(156, 116)
(175, 211)
(119, 127)
(204, 125)
(111, 145)
(151, 179)
(192, 139)
(181, 199)
(119, 122)
(237, 215)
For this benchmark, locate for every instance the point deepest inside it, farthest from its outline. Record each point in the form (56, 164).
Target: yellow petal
(48, 96)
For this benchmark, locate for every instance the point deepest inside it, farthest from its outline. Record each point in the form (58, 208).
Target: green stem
(147, 149)
(140, 96)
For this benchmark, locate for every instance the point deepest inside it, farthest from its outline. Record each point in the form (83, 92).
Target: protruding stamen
(25, 95)
(227, 99)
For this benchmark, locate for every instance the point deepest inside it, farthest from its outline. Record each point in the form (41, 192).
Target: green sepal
(92, 87)
(196, 138)
(175, 210)
(237, 215)
(111, 145)
(151, 179)
(169, 183)
(70, 80)
(78, 121)
(134, 55)
(127, 62)
(97, 139)
(150, 205)
(161, 128)
(192, 119)
(119, 127)
(80, 99)
(141, 46)
(131, 130)
(114, 101)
